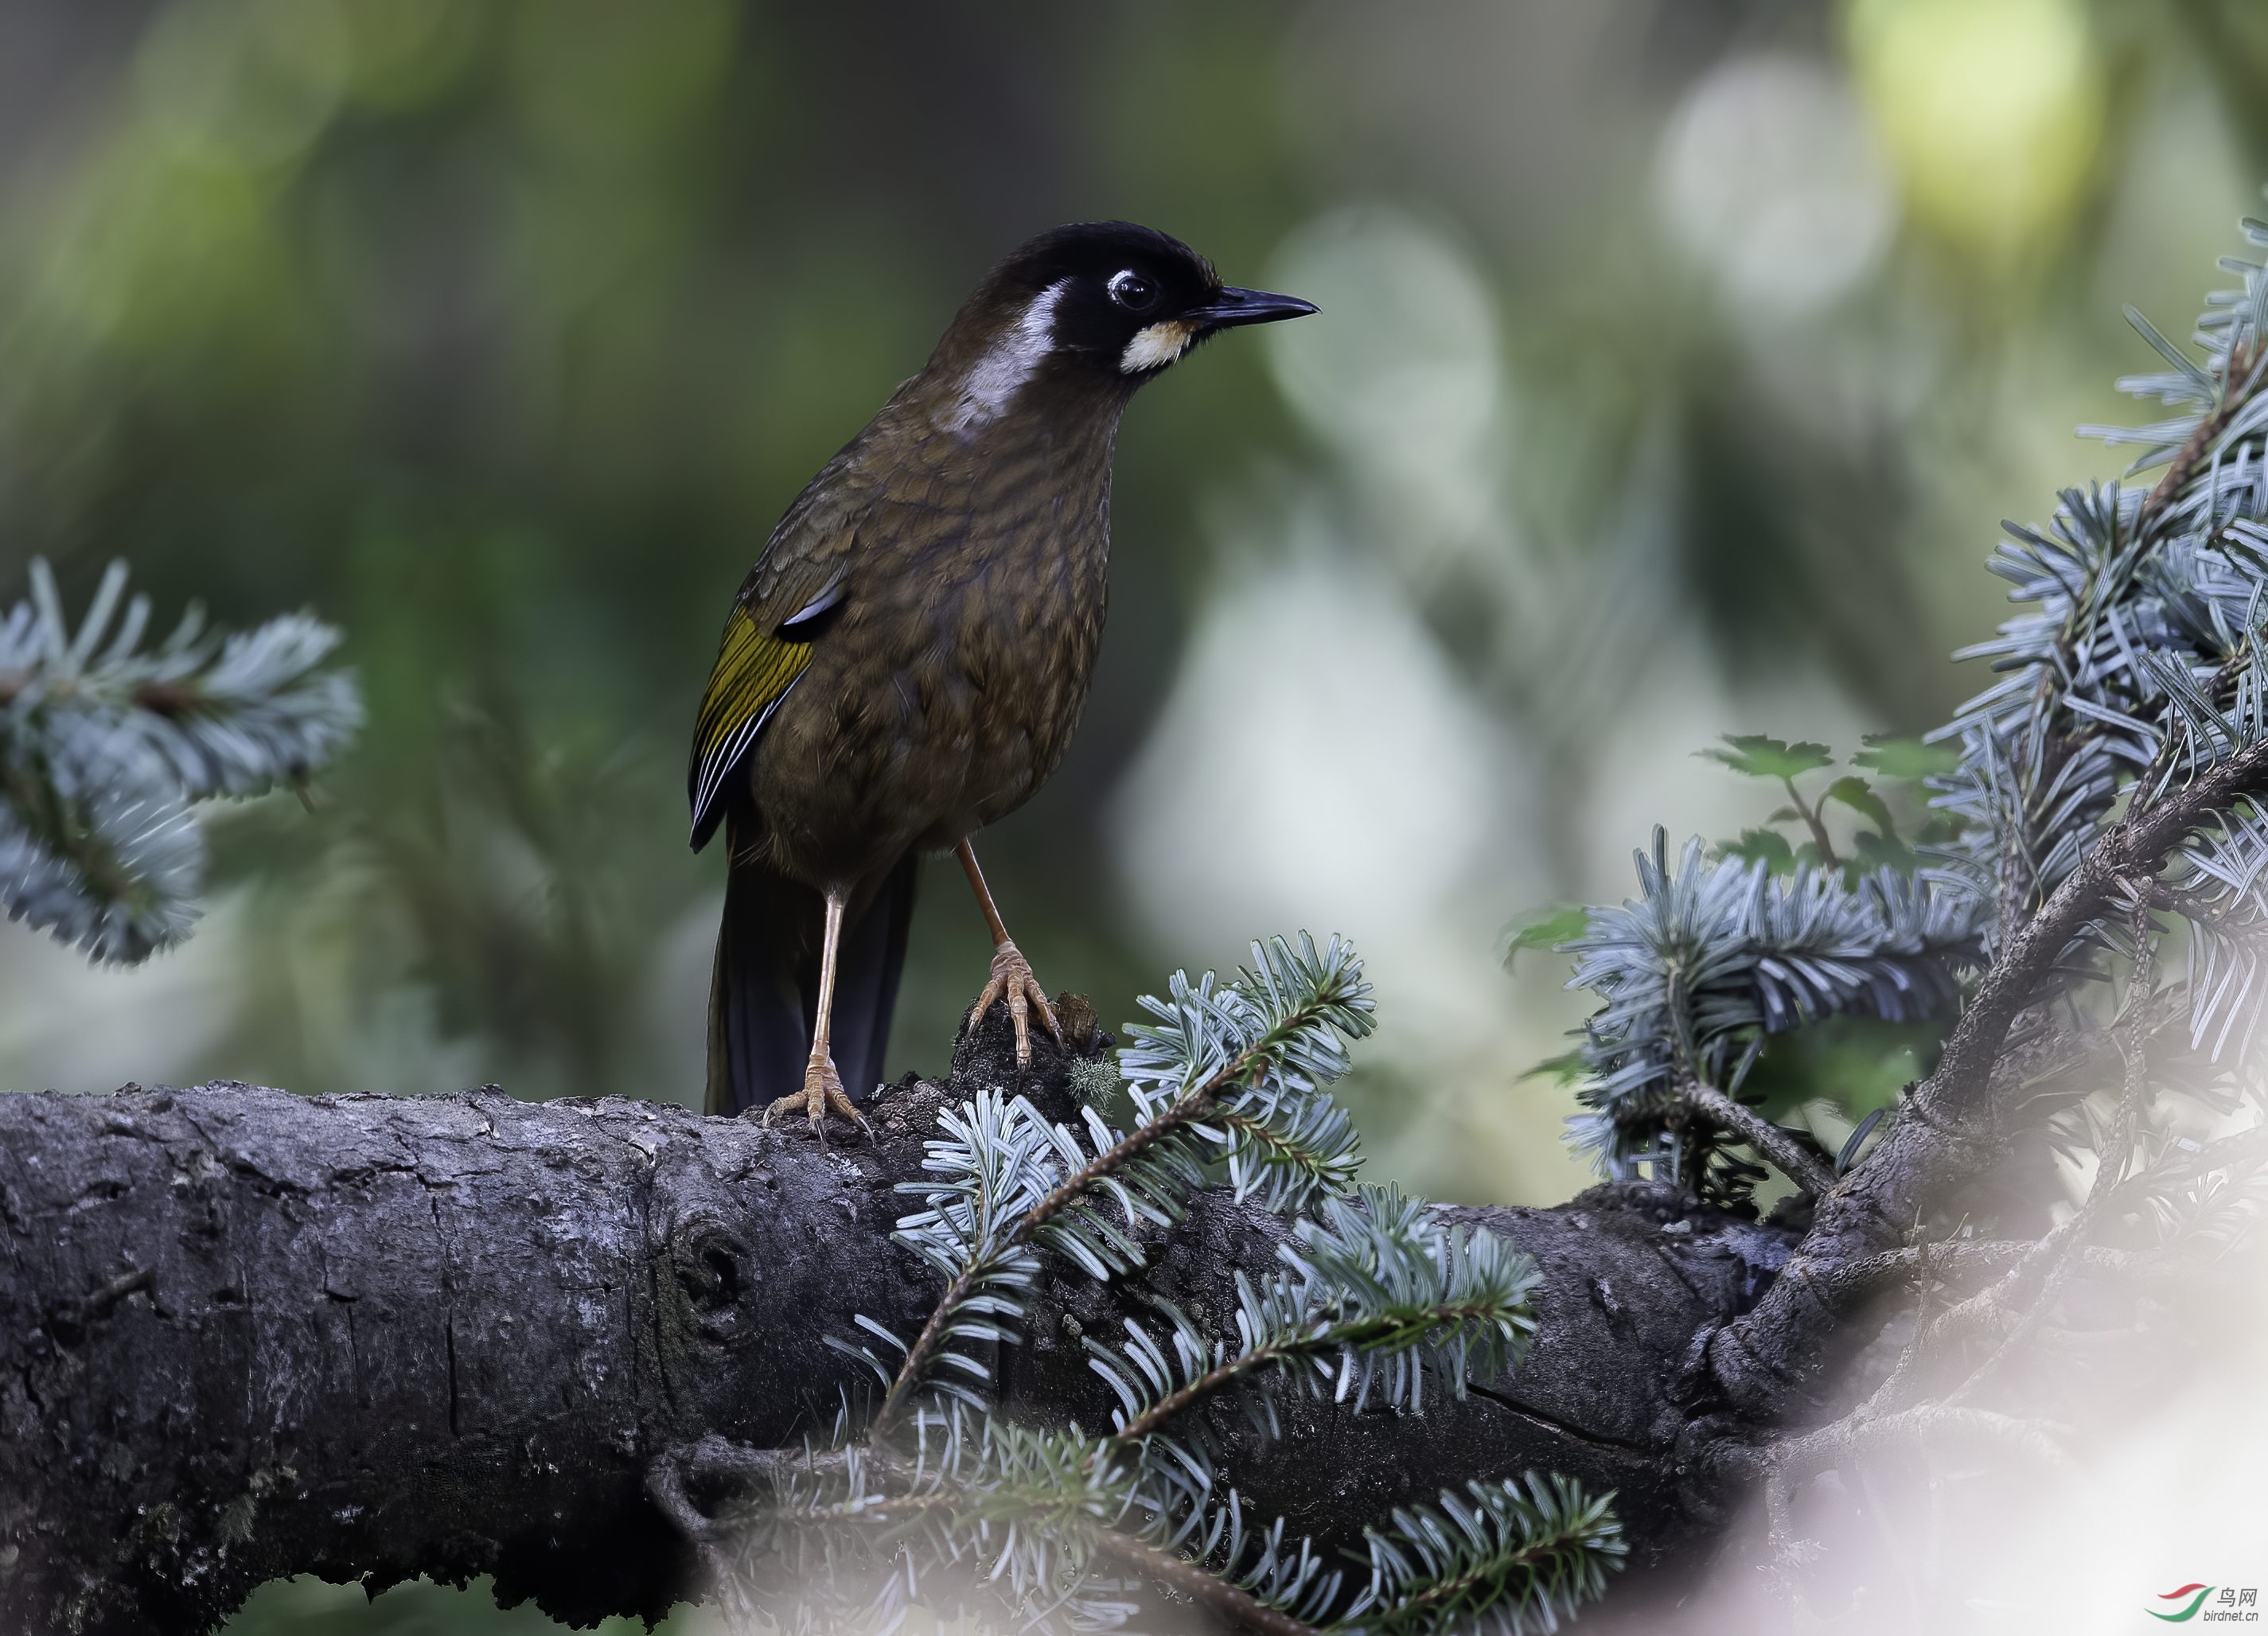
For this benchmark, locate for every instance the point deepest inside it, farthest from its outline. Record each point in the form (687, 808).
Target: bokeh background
(1677, 360)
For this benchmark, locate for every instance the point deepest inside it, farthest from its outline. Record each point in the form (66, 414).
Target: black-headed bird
(907, 660)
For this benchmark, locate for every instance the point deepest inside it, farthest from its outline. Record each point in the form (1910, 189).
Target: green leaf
(1543, 930)
(1760, 757)
(1877, 852)
(1860, 796)
(1894, 757)
(1770, 845)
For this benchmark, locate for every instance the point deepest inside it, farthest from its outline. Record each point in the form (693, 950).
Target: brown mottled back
(947, 689)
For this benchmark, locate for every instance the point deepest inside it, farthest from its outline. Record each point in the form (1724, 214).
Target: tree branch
(456, 1336)
(1761, 1134)
(1947, 1129)
(1956, 1260)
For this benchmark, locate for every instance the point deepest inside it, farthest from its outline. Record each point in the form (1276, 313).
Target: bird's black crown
(1126, 299)
(1093, 250)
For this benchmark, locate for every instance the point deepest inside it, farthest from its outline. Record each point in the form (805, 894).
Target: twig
(714, 1456)
(2133, 846)
(924, 1347)
(1788, 1464)
(1331, 1338)
(2027, 1288)
(1191, 1108)
(2047, 1266)
(2238, 377)
(1814, 822)
(2161, 763)
(1761, 1134)
(1952, 1259)
(1800, 1457)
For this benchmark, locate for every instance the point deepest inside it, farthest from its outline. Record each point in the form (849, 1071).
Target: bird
(907, 660)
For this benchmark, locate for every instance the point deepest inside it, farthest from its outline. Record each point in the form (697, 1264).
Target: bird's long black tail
(765, 991)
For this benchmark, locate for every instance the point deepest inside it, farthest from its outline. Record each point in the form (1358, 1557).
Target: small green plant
(1900, 765)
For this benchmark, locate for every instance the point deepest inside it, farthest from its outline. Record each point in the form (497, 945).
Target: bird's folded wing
(768, 642)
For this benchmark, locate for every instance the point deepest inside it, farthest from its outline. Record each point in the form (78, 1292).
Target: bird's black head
(1112, 300)
(1130, 299)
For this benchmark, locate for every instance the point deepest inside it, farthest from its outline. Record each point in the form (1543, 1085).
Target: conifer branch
(1378, 1293)
(1366, 1334)
(1505, 1558)
(105, 747)
(1269, 1042)
(1381, 1286)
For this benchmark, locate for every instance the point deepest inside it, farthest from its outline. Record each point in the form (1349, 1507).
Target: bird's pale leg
(822, 1087)
(1012, 979)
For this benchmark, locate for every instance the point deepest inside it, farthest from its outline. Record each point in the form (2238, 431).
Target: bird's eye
(1131, 290)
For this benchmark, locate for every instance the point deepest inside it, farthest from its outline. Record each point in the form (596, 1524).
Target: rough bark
(246, 1334)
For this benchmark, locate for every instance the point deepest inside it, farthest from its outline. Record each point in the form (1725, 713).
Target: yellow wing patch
(754, 671)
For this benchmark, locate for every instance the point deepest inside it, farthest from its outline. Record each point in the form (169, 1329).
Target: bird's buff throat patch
(1157, 346)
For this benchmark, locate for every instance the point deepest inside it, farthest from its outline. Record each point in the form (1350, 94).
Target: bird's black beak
(1231, 306)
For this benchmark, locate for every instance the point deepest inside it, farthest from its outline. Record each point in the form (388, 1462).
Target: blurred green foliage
(498, 332)
(308, 1606)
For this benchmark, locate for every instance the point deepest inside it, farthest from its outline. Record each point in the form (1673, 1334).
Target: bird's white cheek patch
(1011, 361)
(1156, 347)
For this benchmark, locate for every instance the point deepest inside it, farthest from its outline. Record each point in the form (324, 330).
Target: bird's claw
(1014, 981)
(822, 1094)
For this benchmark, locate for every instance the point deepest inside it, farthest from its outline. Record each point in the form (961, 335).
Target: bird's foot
(1012, 980)
(821, 1093)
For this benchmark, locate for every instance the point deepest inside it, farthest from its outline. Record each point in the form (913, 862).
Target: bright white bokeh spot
(1317, 765)
(1400, 370)
(1320, 765)
(1768, 176)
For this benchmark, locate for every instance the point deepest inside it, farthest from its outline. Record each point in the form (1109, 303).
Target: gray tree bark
(246, 1334)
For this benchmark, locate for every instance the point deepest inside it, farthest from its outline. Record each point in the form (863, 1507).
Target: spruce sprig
(105, 745)
(1504, 1558)
(1232, 1073)
(1051, 1527)
(1382, 1291)
(1716, 954)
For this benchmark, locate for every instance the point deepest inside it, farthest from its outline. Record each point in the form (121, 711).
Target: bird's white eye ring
(1133, 292)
